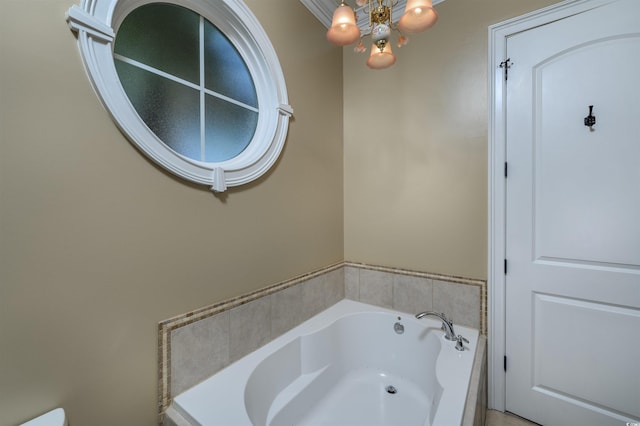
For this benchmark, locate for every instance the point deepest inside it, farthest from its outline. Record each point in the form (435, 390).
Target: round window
(196, 86)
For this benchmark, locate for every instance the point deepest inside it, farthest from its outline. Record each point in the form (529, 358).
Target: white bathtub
(335, 369)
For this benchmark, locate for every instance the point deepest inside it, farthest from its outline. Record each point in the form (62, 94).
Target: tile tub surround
(197, 344)
(475, 409)
(463, 300)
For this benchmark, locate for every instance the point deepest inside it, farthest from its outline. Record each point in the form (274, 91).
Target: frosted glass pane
(163, 36)
(225, 70)
(169, 109)
(228, 129)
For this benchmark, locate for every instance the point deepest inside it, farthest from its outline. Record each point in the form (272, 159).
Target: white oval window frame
(95, 22)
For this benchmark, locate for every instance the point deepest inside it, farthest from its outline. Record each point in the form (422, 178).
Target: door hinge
(506, 64)
(506, 169)
(505, 363)
(505, 266)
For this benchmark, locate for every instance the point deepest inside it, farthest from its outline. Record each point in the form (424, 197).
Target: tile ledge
(429, 275)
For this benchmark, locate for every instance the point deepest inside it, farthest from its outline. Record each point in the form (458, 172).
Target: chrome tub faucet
(447, 326)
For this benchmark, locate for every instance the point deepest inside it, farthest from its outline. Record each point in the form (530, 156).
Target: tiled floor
(496, 418)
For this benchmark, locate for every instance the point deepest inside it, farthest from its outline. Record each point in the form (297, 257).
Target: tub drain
(391, 390)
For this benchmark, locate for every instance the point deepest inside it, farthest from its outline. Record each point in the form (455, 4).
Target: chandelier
(418, 16)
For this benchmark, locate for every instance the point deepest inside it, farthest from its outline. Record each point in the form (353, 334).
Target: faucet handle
(459, 344)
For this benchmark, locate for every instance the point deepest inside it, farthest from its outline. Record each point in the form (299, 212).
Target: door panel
(589, 225)
(573, 219)
(560, 339)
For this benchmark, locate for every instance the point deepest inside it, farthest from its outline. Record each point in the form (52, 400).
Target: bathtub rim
(183, 404)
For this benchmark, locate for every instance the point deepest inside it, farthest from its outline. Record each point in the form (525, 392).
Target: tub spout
(447, 326)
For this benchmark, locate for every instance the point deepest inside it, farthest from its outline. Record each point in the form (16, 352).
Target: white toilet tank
(56, 417)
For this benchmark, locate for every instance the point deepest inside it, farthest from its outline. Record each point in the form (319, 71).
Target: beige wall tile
(249, 327)
(333, 283)
(460, 302)
(286, 310)
(412, 294)
(312, 297)
(376, 288)
(198, 350)
(352, 282)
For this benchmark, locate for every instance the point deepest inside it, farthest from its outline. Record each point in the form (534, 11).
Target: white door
(573, 219)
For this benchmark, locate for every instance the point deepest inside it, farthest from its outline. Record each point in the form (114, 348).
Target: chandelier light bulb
(343, 29)
(381, 58)
(418, 16)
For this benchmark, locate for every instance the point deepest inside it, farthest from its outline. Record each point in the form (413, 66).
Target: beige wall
(97, 245)
(415, 146)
